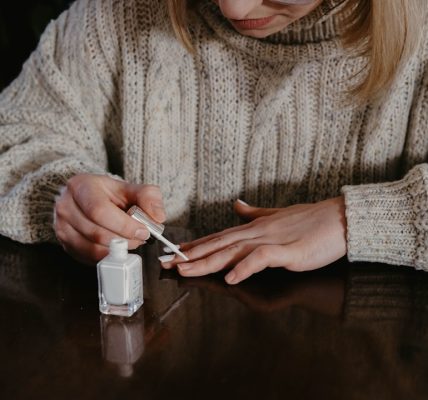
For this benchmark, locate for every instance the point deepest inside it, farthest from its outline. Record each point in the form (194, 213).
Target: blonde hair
(386, 35)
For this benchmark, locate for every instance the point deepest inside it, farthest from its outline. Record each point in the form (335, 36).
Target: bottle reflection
(122, 342)
(125, 340)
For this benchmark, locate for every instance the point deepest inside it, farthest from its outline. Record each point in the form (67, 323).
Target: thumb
(248, 212)
(149, 199)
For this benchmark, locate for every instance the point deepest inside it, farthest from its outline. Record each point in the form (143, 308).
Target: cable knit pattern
(110, 90)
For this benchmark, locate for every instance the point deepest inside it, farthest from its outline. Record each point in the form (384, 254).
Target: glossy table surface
(355, 331)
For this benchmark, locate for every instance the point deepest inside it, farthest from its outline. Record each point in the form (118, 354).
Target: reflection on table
(346, 332)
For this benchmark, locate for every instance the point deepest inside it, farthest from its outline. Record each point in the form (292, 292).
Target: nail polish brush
(154, 228)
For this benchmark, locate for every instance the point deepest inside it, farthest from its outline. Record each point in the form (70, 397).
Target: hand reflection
(318, 292)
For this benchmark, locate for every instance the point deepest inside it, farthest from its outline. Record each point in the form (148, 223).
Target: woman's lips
(246, 24)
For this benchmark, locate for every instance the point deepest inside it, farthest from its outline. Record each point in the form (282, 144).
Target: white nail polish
(167, 250)
(166, 258)
(155, 229)
(120, 280)
(243, 202)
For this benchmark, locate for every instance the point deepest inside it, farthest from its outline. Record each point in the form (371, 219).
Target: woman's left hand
(302, 237)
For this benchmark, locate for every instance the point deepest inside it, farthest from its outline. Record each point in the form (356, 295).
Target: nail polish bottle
(120, 280)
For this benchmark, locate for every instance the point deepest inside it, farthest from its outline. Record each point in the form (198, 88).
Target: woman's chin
(255, 33)
(259, 33)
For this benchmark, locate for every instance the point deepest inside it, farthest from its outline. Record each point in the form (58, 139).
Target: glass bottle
(120, 280)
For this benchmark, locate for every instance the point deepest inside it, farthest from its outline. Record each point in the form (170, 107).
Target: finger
(220, 242)
(217, 261)
(98, 208)
(79, 247)
(248, 212)
(67, 210)
(262, 257)
(217, 243)
(188, 245)
(148, 198)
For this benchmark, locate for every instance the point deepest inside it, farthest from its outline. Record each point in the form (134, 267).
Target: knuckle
(61, 208)
(190, 253)
(263, 252)
(94, 210)
(294, 258)
(80, 185)
(294, 266)
(98, 236)
(232, 248)
(247, 246)
(128, 231)
(149, 190)
(193, 253)
(75, 181)
(203, 263)
(211, 263)
(217, 242)
(57, 224)
(60, 234)
(296, 263)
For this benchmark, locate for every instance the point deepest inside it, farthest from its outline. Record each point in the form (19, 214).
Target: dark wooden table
(345, 332)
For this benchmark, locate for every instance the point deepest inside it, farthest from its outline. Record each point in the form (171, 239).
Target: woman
(317, 102)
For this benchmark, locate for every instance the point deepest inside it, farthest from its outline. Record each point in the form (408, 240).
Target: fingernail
(230, 278)
(142, 234)
(167, 250)
(184, 267)
(243, 202)
(166, 258)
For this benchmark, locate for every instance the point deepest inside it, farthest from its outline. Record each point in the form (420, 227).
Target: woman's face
(261, 18)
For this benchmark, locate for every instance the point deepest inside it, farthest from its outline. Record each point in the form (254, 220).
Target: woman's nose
(238, 9)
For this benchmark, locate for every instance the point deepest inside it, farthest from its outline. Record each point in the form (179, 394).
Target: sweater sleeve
(49, 127)
(388, 222)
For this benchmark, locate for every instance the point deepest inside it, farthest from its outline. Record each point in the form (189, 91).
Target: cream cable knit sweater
(109, 89)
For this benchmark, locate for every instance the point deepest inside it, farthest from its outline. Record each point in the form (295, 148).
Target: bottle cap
(138, 214)
(118, 248)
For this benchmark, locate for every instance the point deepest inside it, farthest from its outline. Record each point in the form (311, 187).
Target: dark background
(21, 24)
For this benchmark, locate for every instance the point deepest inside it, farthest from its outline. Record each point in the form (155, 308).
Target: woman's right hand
(91, 210)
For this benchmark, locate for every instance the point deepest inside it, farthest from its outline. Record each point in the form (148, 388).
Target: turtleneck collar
(314, 36)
